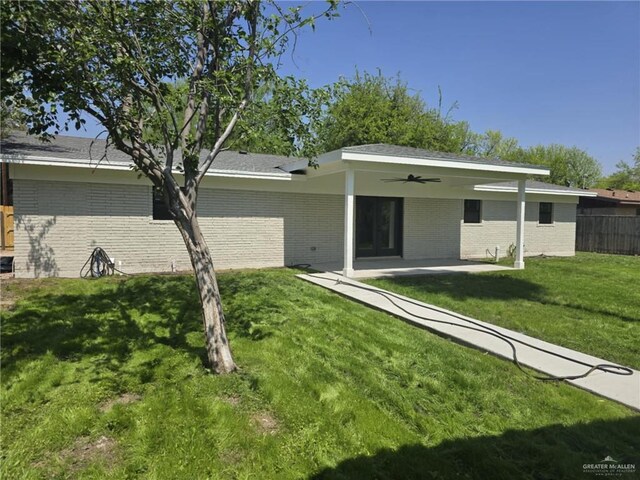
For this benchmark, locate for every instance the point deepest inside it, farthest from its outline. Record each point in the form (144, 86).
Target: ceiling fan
(411, 179)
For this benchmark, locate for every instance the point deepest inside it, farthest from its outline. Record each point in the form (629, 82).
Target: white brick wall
(498, 227)
(59, 223)
(432, 228)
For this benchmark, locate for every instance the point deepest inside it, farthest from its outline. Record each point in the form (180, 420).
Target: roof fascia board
(540, 191)
(57, 162)
(434, 162)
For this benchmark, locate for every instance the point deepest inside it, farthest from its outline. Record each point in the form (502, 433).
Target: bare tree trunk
(218, 349)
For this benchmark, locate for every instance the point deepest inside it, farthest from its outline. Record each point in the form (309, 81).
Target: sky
(542, 72)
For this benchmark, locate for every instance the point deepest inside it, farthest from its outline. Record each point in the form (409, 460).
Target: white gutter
(77, 163)
(542, 191)
(337, 156)
(435, 162)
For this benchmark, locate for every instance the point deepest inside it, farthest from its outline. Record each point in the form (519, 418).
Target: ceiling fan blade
(411, 179)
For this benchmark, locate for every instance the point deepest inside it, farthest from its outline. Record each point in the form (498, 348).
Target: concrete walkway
(620, 388)
(397, 267)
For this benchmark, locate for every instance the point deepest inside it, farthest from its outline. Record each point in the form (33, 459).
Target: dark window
(637, 211)
(160, 210)
(6, 186)
(545, 213)
(472, 211)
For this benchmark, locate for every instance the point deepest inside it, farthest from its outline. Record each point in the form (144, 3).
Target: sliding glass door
(378, 226)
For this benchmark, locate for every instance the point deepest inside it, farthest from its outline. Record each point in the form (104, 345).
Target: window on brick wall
(472, 211)
(545, 213)
(160, 210)
(6, 186)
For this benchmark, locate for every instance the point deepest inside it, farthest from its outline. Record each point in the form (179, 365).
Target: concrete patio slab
(624, 389)
(396, 267)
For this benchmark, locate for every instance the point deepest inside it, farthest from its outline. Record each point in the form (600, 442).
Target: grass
(105, 379)
(590, 303)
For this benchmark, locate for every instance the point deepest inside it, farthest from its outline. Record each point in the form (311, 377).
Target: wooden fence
(608, 234)
(6, 227)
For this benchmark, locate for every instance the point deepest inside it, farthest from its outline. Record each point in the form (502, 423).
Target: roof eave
(439, 162)
(76, 163)
(341, 155)
(533, 190)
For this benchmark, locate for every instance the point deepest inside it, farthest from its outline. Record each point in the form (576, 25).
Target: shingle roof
(621, 196)
(536, 185)
(90, 150)
(410, 152)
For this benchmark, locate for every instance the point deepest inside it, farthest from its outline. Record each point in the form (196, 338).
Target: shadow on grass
(494, 287)
(595, 311)
(115, 320)
(464, 286)
(551, 452)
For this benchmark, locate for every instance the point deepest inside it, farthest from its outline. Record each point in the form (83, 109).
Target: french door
(378, 226)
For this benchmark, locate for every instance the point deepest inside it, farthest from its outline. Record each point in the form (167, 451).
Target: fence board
(6, 226)
(608, 234)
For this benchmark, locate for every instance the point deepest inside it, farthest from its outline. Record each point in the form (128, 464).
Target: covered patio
(404, 208)
(398, 267)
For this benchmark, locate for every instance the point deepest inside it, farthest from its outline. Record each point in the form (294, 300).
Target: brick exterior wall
(59, 223)
(498, 228)
(431, 228)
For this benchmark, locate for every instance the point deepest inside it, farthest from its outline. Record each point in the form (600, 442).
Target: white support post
(349, 221)
(519, 262)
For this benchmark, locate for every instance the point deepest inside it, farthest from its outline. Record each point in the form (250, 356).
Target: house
(610, 202)
(369, 201)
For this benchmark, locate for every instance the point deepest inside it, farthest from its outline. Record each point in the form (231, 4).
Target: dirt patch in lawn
(82, 453)
(233, 400)
(13, 289)
(266, 423)
(124, 399)
(232, 457)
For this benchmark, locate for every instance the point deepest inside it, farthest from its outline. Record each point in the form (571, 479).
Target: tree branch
(196, 74)
(217, 148)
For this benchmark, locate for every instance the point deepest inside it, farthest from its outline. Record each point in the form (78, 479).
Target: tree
(627, 176)
(11, 118)
(376, 109)
(569, 166)
(492, 144)
(278, 120)
(117, 61)
(272, 125)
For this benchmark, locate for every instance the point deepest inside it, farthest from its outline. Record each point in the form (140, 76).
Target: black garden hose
(478, 327)
(100, 265)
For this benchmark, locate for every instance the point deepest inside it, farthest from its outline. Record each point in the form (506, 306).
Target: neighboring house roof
(419, 153)
(533, 186)
(64, 149)
(621, 197)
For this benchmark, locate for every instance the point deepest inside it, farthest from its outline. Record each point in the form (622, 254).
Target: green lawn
(104, 379)
(589, 303)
